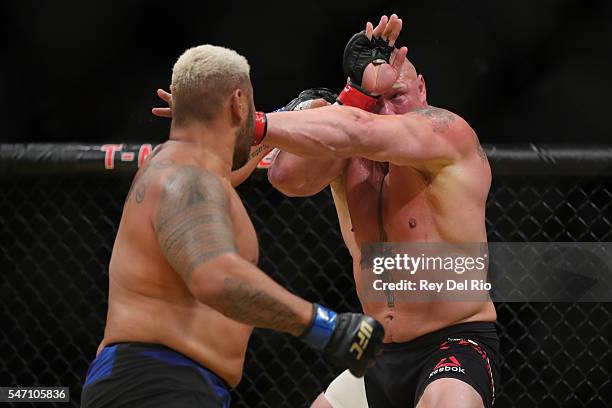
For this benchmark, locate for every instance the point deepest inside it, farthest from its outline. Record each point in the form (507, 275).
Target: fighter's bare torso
(148, 300)
(444, 204)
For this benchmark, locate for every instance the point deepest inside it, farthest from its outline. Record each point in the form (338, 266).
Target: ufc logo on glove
(364, 334)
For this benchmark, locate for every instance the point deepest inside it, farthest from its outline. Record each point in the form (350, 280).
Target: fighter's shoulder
(448, 124)
(441, 119)
(191, 181)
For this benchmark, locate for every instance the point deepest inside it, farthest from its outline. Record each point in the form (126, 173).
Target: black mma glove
(348, 340)
(310, 95)
(358, 53)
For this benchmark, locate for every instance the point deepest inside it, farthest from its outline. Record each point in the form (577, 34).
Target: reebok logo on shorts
(448, 364)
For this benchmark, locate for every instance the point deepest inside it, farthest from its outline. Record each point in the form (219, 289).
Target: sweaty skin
(165, 239)
(434, 190)
(412, 173)
(415, 209)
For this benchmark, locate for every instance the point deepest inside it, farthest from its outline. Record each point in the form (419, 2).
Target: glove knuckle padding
(309, 95)
(355, 342)
(360, 51)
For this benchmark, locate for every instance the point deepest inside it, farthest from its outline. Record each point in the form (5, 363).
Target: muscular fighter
(417, 174)
(403, 172)
(184, 291)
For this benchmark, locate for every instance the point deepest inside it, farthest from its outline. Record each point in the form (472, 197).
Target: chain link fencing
(58, 227)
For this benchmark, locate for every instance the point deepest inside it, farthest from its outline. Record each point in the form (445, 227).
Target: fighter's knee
(321, 402)
(450, 393)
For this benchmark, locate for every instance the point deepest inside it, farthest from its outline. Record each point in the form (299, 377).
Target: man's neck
(211, 145)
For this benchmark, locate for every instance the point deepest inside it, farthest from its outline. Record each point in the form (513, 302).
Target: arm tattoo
(258, 150)
(257, 308)
(140, 192)
(192, 222)
(440, 118)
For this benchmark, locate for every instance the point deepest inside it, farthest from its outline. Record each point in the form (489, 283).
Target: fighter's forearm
(244, 293)
(257, 153)
(327, 132)
(265, 304)
(296, 176)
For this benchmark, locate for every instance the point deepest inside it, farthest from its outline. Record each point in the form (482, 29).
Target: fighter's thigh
(450, 393)
(458, 374)
(345, 391)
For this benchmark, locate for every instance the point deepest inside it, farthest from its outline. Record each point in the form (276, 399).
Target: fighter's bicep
(192, 223)
(389, 138)
(409, 139)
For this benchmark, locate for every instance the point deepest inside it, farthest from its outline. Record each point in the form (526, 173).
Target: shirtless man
(408, 172)
(184, 291)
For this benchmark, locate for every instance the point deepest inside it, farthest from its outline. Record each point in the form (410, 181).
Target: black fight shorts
(150, 375)
(468, 352)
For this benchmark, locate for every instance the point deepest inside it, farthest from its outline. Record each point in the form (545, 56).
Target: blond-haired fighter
(184, 291)
(406, 172)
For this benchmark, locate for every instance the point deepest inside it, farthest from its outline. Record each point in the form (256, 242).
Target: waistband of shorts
(170, 356)
(469, 329)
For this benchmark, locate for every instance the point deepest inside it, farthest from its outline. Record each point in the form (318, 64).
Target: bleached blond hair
(202, 80)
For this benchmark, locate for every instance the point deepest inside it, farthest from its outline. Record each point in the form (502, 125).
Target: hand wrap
(261, 127)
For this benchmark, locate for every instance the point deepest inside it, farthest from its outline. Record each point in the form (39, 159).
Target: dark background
(516, 70)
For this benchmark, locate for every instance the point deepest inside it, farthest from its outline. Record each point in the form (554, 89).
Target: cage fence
(61, 205)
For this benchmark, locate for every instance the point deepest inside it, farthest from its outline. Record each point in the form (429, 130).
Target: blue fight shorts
(150, 375)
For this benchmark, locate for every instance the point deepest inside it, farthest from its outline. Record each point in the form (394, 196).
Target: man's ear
(422, 89)
(238, 110)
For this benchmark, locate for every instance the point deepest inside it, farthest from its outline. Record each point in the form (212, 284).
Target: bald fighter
(184, 291)
(400, 170)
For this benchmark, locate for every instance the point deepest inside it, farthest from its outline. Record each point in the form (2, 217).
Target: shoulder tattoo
(479, 149)
(141, 181)
(440, 118)
(192, 223)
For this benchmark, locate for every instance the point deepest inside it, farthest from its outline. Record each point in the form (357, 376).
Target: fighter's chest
(384, 205)
(244, 232)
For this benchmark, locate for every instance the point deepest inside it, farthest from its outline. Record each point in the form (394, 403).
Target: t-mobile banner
(500, 271)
